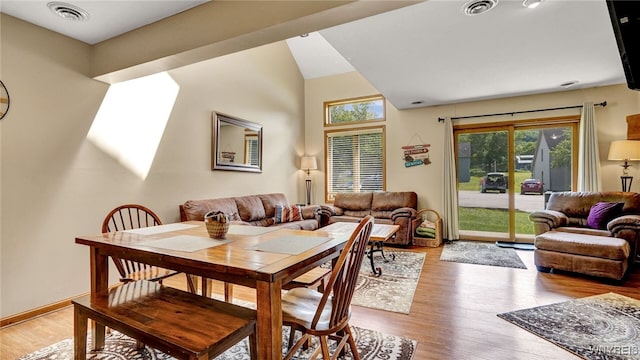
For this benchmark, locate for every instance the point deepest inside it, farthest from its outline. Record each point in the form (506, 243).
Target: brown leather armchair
(568, 212)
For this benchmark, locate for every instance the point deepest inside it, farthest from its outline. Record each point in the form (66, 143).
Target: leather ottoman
(593, 255)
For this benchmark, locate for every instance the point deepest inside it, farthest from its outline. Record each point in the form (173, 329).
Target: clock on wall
(4, 100)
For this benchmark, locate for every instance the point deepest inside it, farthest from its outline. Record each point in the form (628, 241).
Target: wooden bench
(181, 324)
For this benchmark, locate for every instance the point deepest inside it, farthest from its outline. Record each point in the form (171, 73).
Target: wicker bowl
(217, 224)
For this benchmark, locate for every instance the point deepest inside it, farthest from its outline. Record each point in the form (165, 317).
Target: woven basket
(434, 217)
(217, 224)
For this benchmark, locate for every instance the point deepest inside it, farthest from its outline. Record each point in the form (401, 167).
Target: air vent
(68, 11)
(477, 7)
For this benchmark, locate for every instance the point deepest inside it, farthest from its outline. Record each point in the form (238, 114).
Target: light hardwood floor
(453, 315)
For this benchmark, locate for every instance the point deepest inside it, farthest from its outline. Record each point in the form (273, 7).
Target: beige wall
(56, 184)
(408, 126)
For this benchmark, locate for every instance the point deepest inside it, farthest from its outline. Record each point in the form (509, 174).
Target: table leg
(269, 324)
(99, 286)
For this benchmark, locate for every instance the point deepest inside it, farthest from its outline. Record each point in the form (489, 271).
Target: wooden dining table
(260, 258)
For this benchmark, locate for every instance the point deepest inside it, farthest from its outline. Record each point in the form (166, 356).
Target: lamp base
(626, 182)
(308, 184)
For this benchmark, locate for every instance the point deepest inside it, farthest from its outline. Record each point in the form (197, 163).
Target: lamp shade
(308, 163)
(624, 150)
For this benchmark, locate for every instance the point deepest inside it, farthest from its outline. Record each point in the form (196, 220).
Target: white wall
(409, 126)
(56, 184)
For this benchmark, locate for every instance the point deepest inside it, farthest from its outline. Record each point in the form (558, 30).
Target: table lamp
(626, 150)
(308, 163)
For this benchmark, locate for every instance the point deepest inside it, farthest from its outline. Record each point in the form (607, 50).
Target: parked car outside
(493, 181)
(532, 186)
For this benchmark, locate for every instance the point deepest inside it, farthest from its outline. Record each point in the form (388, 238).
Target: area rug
(598, 327)
(481, 253)
(394, 289)
(372, 345)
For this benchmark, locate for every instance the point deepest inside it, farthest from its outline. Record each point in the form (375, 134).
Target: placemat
(290, 244)
(186, 243)
(152, 230)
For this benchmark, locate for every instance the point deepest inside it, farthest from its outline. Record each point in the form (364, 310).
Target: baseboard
(30, 314)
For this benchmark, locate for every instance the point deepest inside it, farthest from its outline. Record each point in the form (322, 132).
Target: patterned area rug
(394, 289)
(372, 345)
(481, 253)
(599, 327)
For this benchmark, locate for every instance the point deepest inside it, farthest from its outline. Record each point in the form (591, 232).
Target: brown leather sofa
(565, 241)
(256, 210)
(395, 208)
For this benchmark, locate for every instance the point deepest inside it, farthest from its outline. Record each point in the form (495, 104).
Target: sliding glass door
(506, 172)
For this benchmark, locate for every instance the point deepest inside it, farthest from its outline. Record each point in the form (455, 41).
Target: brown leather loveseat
(256, 210)
(387, 207)
(574, 234)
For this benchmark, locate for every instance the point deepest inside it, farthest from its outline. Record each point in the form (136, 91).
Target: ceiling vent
(477, 7)
(68, 11)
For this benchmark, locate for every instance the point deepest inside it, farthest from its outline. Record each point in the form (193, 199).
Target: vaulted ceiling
(424, 54)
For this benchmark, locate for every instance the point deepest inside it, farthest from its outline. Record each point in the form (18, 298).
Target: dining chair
(134, 216)
(326, 315)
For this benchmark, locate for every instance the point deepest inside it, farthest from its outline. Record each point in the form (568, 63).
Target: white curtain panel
(451, 229)
(588, 155)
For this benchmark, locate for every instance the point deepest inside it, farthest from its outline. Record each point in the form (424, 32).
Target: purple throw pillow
(601, 213)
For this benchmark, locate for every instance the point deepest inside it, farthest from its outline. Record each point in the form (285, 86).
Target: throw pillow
(601, 213)
(287, 214)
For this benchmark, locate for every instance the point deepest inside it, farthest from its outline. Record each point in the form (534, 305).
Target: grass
(495, 220)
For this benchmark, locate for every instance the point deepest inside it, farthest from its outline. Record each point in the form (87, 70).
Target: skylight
(132, 118)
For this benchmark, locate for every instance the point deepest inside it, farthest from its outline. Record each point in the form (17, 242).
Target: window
(251, 150)
(500, 210)
(347, 112)
(354, 153)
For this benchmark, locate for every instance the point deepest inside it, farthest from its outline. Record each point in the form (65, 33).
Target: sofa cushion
(311, 224)
(583, 230)
(601, 213)
(196, 209)
(250, 208)
(354, 204)
(580, 244)
(384, 203)
(269, 201)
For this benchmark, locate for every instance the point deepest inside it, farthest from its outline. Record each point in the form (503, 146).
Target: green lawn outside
(495, 220)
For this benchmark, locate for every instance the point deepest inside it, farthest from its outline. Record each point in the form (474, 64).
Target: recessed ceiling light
(68, 11)
(477, 7)
(530, 4)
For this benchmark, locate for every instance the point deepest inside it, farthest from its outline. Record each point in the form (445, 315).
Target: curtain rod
(603, 104)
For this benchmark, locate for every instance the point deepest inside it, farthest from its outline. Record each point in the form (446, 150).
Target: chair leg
(228, 292)
(352, 343)
(206, 287)
(192, 284)
(297, 346)
(324, 346)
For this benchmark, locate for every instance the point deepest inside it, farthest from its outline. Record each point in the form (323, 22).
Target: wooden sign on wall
(633, 127)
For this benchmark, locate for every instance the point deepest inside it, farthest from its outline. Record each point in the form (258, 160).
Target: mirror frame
(219, 120)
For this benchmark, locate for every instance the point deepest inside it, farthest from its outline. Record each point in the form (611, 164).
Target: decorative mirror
(236, 144)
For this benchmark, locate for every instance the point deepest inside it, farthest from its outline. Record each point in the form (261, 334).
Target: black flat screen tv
(625, 18)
